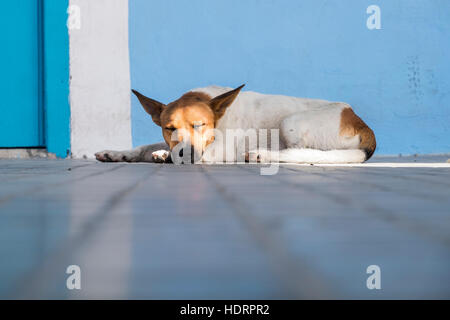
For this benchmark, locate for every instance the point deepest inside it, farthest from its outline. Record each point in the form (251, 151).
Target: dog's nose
(195, 155)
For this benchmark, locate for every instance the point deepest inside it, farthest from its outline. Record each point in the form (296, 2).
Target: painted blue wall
(34, 84)
(396, 78)
(56, 77)
(20, 117)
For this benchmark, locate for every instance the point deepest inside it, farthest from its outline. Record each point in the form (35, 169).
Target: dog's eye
(196, 126)
(170, 129)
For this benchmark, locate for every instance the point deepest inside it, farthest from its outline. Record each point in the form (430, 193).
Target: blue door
(21, 118)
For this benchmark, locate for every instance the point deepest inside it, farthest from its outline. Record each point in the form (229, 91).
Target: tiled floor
(166, 231)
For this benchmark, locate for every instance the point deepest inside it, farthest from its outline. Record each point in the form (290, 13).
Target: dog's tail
(320, 156)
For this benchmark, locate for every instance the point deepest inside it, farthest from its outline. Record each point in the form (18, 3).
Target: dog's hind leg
(331, 134)
(149, 153)
(306, 155)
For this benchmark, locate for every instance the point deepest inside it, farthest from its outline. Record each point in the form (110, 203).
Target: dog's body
(310, 130)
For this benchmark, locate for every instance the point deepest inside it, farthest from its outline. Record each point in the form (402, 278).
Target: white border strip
(381, 165)
(100, 77)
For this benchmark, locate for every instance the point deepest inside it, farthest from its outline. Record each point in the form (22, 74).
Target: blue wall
(20, 117)
(56, 77)
(34, 83)
(396, 78)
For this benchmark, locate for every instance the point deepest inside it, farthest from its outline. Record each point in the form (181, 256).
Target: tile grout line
(369, 184)
(19, 176)
(397, 176)
(283, 265)
(31, 282)
(374, 210)
(39, 188)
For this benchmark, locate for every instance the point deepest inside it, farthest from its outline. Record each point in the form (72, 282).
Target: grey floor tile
(223, 231)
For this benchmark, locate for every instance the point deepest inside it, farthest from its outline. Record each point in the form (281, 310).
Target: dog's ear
(220, 104)
(153, 107)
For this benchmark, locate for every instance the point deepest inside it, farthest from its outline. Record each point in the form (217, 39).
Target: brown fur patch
(220, 103)
(192, 97)
(184, 113)
(352, 125)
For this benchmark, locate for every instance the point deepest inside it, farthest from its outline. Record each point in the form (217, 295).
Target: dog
(308, 130)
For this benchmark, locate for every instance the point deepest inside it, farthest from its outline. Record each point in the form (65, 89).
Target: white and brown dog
(310, 130)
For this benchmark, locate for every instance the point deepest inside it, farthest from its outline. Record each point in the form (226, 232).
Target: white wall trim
(100, 77)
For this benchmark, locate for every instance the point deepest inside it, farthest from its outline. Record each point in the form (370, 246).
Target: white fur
(307, 156)
(309, 128)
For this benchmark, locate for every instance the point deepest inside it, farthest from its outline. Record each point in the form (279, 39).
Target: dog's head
(191, 118)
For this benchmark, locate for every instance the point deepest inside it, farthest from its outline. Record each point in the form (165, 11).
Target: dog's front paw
(160, 156)
(110, 156)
